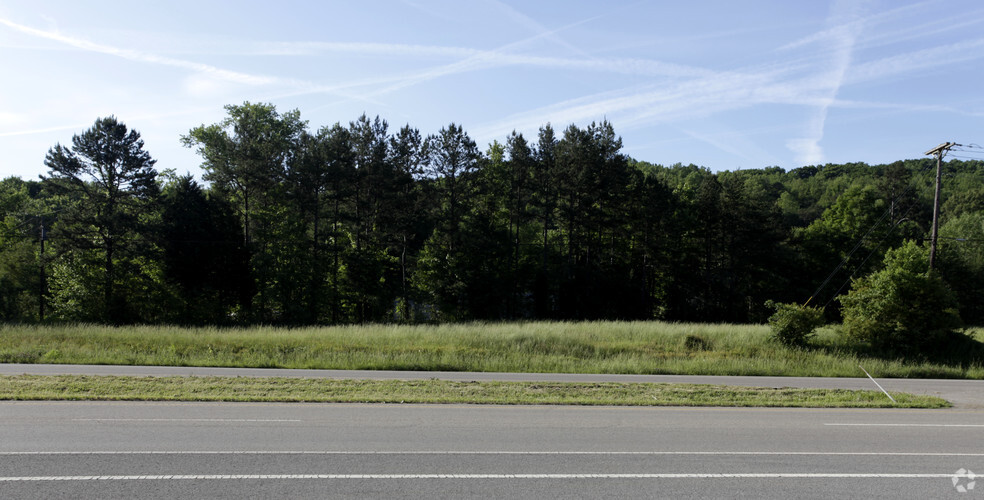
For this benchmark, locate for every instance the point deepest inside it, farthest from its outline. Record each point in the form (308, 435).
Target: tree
(962, 262)
(251, 159)
(20, 229)
(592, 181)
(850, 237)
(110, 184)
(246, 155)
(203, 255)
(452, 160)
(650, 204)
(372, 175)
(754, 251)
(406, 217)
(901, 309)
(895, 186)
(695, 282)
(964, 202)
(543, 201)
(518, 201)
(367, 263)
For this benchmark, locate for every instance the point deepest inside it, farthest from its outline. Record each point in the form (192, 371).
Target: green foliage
(19, 279)
(794, 324)
(845, 223)
(204, 258)
(961, 262)
(359, 224)
(901, 309)
(107, 183)
(696, 343)
(75, 283)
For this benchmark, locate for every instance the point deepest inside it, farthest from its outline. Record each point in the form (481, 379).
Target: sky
(721, 84)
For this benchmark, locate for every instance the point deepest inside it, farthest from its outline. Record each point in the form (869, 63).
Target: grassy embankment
(588, 347)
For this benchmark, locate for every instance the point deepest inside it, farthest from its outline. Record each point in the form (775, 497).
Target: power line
(965, 240)
(872, 252)
(970, 149)
(861, 241)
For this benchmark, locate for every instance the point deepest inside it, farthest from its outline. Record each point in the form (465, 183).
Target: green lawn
(583, 347)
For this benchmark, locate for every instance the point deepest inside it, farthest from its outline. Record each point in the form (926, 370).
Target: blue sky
(724, 84)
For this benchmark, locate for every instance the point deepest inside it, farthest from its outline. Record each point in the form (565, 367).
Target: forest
(364, 223)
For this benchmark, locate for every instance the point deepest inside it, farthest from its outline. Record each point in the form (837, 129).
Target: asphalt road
(962, 393)
(222, 450)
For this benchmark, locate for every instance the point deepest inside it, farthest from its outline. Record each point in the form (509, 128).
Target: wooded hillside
(367, 223)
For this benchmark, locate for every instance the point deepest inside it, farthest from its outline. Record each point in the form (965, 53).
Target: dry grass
(538, 347)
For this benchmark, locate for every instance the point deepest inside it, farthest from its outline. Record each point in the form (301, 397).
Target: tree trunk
(111, 310)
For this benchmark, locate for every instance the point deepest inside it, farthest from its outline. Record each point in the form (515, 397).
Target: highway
(223, 450)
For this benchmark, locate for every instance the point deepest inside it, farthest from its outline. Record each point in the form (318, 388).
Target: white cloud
(134, 55)
(686, 99)
(12, 119)
(729, 147)
(807, 150)
(541, 30)
(841, 38)
(920, 60)
(851, 15)
(58, 128)
(378, 49)
(203, 85)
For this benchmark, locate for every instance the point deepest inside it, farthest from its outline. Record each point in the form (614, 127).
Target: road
(962, 393)
(222, 450)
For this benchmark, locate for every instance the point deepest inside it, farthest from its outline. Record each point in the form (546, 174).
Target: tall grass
(583, 347)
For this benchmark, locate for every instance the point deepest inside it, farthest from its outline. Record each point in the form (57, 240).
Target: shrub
(696, 343)
(901, 309)
(793, 324)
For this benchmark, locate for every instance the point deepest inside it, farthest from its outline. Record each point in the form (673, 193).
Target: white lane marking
(206, 477)
(537, 453)
(181, 420)
(902, 425)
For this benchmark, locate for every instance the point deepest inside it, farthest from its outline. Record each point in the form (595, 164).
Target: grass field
(104, 388)
(584, 347)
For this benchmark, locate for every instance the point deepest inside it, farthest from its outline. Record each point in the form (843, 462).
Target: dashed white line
(901, 425)
(519, 453)
(183, 420)
(210, 477)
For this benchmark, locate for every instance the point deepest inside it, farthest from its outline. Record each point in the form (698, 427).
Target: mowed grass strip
(244, 389)
(649, 347)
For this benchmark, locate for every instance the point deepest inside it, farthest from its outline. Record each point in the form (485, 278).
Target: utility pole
(44, 279)
(939, 152)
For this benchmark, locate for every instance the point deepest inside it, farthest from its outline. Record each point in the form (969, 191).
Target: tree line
(366, 223)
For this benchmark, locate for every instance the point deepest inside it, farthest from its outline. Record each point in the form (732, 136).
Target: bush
(696, 343)
(901, 309)
(793, 324)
